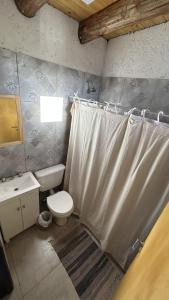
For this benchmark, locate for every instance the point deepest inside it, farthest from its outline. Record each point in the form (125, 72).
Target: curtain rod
(106, 105)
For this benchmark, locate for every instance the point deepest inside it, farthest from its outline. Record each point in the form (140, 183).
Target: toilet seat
(60, 204)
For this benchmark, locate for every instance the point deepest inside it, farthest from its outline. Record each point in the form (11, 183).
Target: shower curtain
(118, 175)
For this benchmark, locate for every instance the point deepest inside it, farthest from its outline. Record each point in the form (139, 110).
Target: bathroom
(84, 168)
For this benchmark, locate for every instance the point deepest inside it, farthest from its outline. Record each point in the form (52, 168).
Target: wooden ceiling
(123, 17)
(105, 18)
(78, 10)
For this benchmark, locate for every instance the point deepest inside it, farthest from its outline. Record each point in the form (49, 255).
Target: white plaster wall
(51, 36)
(143, 54)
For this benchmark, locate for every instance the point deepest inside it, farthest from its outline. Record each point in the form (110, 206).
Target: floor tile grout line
(15, 259)
(55, 267)
(37, 283)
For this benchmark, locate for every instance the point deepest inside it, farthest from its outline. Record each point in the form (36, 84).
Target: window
(51, 109)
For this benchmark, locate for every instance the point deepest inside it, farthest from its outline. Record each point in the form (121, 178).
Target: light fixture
(88, 1)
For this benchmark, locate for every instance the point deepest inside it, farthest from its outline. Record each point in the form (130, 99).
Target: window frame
(19, 116)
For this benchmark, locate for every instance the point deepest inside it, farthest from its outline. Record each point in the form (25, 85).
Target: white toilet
(60, 204)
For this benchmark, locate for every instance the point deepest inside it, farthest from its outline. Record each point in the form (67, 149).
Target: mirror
(10, 121)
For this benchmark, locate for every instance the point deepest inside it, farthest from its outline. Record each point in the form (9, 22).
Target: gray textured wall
(45, 144)
(137, 92)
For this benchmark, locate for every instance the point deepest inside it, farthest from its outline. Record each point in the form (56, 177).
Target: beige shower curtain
(117, 173)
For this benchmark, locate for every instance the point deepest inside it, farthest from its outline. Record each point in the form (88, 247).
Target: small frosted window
(51, 109)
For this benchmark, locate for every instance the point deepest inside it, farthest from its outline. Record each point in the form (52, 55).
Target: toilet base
(60, 221)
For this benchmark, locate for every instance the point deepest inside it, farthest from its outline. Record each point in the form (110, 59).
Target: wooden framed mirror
(11, 132)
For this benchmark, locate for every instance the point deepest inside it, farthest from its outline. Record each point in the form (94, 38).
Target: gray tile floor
(36, 269)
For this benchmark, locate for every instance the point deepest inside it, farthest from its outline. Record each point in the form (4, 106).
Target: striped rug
(94, 275)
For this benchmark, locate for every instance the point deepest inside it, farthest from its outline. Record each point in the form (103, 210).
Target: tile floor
(36, 269)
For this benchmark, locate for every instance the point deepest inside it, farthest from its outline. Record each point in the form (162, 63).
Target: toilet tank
(50, 177)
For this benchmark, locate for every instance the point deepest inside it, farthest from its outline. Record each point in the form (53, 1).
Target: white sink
(17, 186)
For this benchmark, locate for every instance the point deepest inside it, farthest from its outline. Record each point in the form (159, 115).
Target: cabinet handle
(23, 206)
(18, 209)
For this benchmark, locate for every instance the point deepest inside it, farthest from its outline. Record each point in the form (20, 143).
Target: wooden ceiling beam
(29, 7)
(123, 17)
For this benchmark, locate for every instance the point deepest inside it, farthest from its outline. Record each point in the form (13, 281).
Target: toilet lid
(60, 203)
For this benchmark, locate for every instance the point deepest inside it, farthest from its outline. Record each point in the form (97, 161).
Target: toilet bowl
(60, 204)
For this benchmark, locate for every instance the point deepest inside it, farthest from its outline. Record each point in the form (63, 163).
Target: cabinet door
(30, 208)
(11, 219)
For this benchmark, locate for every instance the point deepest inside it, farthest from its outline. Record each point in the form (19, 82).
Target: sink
(17, 186)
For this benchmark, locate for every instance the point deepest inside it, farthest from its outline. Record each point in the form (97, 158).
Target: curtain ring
(143, 112)
(115, 106)
(88, 102)
(96, 102)
(107, 105)
(131, 110)
(160, 113)
(76, 96)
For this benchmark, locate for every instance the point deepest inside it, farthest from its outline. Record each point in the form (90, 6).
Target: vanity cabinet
(30, 209)
(19, 213)
(11, 219)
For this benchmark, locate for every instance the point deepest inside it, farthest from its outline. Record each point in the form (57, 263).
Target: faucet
(20, 174)
(3, 179)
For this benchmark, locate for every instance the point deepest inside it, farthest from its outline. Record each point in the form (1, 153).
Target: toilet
(60, 204)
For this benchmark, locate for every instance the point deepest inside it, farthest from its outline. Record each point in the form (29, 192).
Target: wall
(46, 59)
(50, 36)
(136, 70)
(45, 144)
(143, 54)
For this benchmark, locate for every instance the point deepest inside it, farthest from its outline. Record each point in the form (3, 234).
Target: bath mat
(93, 273)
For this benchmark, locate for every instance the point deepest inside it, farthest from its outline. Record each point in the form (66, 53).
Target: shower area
(117, 173)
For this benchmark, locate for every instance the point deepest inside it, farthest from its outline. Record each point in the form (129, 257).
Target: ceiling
(78, 10)
(104, 18)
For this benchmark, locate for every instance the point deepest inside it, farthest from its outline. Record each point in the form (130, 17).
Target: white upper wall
(143, 54)
(51, 36)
